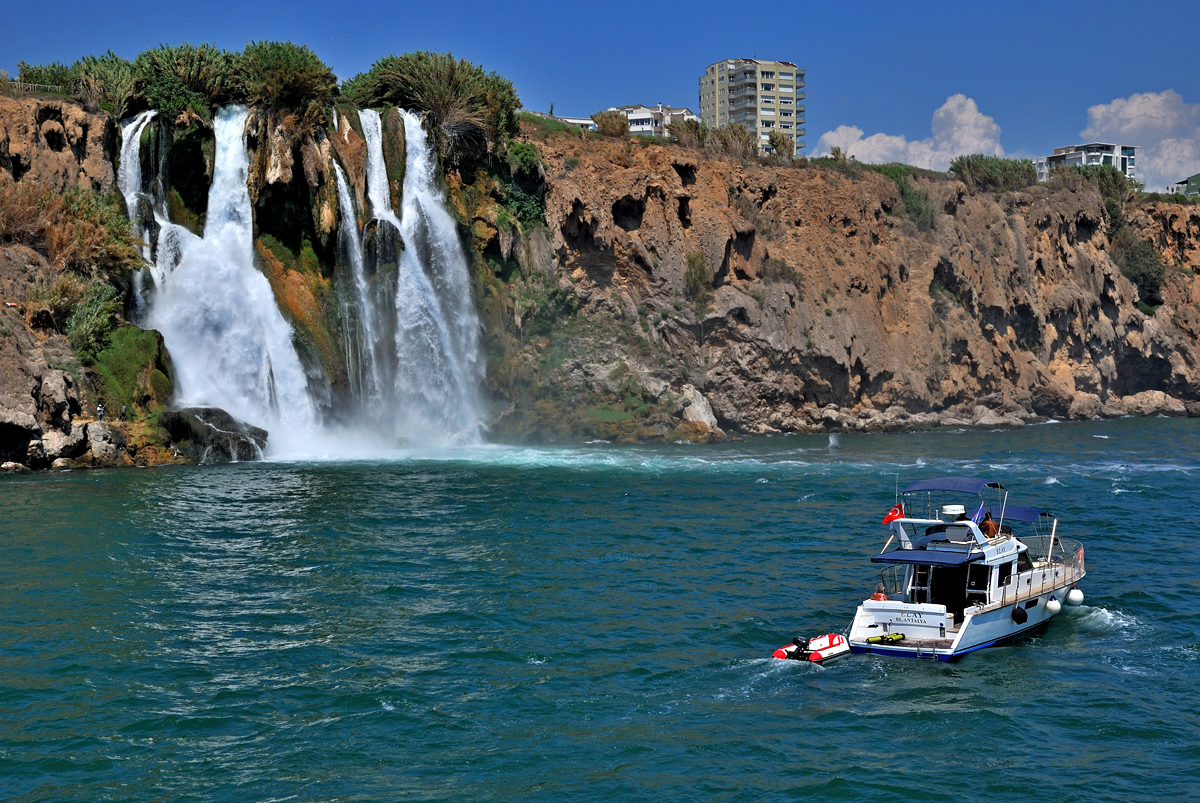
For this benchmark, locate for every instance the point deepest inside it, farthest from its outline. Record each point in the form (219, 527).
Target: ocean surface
(584, 623)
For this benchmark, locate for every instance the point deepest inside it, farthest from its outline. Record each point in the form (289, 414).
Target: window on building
(785, 88)
(768, 87)
(785, 113)
(785, 125)
(785, 75)
(768, 123)
(767, 74)
(767, 99)
(785, 101)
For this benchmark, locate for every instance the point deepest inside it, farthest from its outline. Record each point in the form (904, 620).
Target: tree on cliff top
(197, 77)
(282, 75)
(467, 108)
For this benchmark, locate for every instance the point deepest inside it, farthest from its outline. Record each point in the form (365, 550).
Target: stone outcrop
(831, 311)
(209, 435)
(55, 143)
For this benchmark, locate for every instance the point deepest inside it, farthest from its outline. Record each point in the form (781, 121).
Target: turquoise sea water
(588, 623)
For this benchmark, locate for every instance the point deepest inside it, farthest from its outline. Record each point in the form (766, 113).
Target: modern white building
(763, 96)
(1122, 157)
(653, 120)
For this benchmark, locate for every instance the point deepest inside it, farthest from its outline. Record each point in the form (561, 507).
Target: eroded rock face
(1008, 309)
(55, 143)
(210, 435)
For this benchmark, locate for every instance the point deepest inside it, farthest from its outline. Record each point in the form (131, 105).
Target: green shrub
(777, 270)
(783, 145)
(199, 77)
(1139, 263)
(282, 75)
(466, 107)
(697, 285)
(735, 141)
(525, 160)
(1108, 180)
(526, 206)
(54, 74)
(112, 81)
(571, 162)
(983, 173)
(689, 133)
(611, 123)
(914, 202)
(94, 317)
(1116, 216)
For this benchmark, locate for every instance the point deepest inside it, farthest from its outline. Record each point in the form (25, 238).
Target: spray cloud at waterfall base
(411, 337)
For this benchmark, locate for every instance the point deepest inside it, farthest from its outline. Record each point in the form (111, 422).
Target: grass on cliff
(915, 203)
(982, 173)
(1108, 180)
(78, 230)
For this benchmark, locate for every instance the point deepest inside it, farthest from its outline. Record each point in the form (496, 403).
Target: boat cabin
(955, 555)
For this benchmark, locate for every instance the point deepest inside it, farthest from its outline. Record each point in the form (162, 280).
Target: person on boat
(880, 594)
(989, 526)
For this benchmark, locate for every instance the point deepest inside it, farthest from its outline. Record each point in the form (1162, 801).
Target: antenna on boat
(896, 501)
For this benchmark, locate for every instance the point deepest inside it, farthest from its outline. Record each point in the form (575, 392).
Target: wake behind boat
(958, 582)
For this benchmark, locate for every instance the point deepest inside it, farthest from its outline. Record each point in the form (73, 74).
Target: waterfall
(378, 192)
(370, 383)
(229, 343)
(438, 371)
(129, 181)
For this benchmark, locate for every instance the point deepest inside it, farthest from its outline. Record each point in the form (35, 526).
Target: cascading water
(437, 332)
(229, 343)
(129, 181)
(367, 370)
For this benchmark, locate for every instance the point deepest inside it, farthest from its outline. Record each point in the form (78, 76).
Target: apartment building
(653, 119)
(1122, 157)
(763, 96)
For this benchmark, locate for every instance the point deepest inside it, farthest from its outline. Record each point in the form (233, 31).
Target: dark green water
(588, 623)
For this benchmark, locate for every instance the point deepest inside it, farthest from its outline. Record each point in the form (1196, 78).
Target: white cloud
(958, 127)
(1162, 126)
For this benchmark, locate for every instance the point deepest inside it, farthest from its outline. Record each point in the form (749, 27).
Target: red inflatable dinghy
(817, 650)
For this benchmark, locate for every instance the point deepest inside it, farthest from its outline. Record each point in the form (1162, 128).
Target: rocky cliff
(666, 293)
(830, 309)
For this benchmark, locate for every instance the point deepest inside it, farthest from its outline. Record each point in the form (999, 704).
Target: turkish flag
(895, 513)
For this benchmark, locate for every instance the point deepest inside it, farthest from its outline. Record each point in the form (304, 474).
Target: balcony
(743, 90)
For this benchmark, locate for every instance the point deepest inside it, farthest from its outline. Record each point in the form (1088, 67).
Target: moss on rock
(132, 372)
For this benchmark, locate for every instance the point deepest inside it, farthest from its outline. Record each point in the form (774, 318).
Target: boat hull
(987, 628)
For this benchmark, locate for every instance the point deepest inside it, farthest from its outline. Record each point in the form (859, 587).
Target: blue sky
(1035, 69)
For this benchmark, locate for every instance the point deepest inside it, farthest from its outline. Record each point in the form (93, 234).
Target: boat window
(1004, 574)
(1024, 563)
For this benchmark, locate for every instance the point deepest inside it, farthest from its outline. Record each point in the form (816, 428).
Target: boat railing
(1055, 565)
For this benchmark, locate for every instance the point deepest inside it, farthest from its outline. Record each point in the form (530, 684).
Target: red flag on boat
(895, 513)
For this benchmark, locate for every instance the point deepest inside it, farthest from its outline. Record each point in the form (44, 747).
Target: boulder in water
(211, 435)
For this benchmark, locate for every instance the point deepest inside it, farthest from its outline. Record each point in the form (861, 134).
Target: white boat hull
(925, 636)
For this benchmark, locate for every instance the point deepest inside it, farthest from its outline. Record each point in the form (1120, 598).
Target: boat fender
(1019, 616)
(1053, 606)
(890, 638)
(1074, 597)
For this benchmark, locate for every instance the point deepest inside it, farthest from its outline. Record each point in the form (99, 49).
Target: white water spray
(378, 192)
(229, 343)
(437, 331)
(371, 384)
(129, 181)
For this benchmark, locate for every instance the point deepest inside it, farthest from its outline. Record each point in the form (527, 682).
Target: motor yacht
(958, 577)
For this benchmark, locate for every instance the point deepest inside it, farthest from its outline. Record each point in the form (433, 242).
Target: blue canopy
(929, 557)
(967, 485)
(1017, 513)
